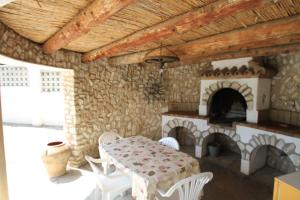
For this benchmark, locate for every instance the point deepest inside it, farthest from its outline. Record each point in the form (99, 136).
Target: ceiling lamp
(162, 59)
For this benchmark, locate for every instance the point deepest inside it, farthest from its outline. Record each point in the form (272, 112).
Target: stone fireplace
(235, 102)
(255, 92)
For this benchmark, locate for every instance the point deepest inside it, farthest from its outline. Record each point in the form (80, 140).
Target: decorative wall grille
(51, 81)
(13, 76)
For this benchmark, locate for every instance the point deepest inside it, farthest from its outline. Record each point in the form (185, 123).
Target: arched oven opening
(227, 106)
(185, 139)
(267, 162)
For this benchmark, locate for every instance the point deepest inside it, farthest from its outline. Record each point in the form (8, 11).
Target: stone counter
(275, 127)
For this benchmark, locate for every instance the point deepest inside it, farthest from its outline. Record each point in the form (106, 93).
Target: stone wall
(127, 99)
(285, 92)
(184, 87)
(285, 102)
(18, 47)
(106, 100)
(130, 99)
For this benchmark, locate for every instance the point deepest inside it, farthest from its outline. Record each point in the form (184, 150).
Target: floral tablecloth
(149, 164)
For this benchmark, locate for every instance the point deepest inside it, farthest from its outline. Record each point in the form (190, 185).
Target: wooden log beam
(264, 51)
(276, 32)
(245, 47)
(179, 24)
(267, 50)
(94, 14)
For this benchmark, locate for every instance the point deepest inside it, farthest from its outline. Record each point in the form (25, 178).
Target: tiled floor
(28, 180)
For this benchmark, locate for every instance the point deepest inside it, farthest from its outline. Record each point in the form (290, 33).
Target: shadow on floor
(229, 184)
(70, 176)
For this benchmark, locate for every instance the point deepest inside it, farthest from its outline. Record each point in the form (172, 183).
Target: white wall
(28, 105)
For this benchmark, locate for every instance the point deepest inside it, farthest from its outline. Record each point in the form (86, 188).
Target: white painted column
(252, 116)
(198, 151)
(3, 176)
(245, 167)
(203, 110)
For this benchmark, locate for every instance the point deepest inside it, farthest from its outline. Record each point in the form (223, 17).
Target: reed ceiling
(38, 20)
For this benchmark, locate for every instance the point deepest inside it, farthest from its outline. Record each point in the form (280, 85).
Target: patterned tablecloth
(149, 164)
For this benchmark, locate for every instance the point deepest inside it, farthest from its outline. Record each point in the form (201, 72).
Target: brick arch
(231, 133)
(244, 90)
(264, 140)
(192, 128)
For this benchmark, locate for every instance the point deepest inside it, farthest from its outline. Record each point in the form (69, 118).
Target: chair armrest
(93, 163)
(166, 193)
(94, 160)
(112, 176)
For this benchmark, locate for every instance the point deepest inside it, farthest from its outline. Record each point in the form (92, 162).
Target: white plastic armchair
(108, 137)
(112, 185)
(188, 188)
(170, 142)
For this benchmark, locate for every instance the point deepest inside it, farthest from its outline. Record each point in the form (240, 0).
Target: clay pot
(56, 158)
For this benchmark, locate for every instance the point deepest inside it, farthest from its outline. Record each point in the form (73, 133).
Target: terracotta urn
(56, 157)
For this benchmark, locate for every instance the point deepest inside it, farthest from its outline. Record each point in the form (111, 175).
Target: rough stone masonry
(99, 97)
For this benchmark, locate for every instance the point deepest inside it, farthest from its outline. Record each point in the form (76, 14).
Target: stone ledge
(274, 127)
(187, 114)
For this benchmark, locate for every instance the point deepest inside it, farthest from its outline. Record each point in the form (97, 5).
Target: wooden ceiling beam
(175, 25)
(257, 52)
(276, 32)
(94, 14)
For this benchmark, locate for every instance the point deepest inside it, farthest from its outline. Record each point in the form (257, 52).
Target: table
(287, 187)
(149, 164)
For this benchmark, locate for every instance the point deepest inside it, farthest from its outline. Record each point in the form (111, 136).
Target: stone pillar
(70, 116)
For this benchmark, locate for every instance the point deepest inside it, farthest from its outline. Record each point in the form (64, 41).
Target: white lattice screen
(51, 81)
(13, 76)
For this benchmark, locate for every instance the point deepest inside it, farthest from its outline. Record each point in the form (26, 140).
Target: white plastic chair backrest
(108, 137)
(96, 169)
(170, 142)
(190, 188)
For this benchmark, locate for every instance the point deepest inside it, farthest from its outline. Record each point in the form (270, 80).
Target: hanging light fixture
(162, 59)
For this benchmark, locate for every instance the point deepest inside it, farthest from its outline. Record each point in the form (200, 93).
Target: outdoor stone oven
(251, 83)
(254, 90)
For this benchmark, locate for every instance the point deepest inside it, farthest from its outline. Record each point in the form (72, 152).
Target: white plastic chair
(188, 188)
(108, 137)
(105, 138)
(112, 185)
(170, 142)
